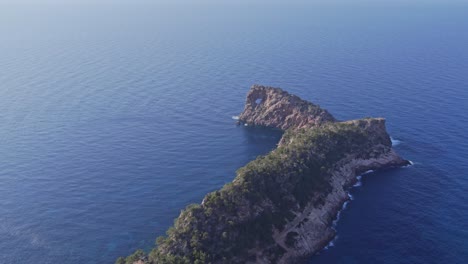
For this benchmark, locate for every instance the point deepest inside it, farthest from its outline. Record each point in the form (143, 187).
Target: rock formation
(273, 107)
(280, 207)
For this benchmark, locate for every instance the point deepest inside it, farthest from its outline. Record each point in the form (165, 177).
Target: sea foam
(358, 183)
(395, 142)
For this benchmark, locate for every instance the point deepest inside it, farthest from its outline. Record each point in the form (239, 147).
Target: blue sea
(116, 115)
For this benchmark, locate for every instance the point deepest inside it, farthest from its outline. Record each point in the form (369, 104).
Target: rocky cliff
(273, 107)
(280, 207)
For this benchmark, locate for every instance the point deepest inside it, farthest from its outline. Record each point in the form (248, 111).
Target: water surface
(116, 116)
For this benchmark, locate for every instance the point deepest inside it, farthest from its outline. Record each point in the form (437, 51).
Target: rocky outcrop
(311, 228)
(280, 207)
(273, 107)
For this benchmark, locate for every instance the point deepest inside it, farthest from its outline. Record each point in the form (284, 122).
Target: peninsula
(279, 208)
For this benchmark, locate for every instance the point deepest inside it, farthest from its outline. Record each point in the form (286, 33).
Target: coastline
(281, 207)
(343, 179)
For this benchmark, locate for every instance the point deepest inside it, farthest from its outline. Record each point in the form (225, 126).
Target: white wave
(235, 117)
(410, 164)
(245, 124)
(367, 172)
(330, 244)
(358, 184)
(337, 219)
(395, 142)
(345, 204)
(335, 222)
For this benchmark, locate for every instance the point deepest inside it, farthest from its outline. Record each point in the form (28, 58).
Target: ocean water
(115, 116)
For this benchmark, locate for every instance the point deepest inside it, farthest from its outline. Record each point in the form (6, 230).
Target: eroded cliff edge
(273, 107)
(280, 207)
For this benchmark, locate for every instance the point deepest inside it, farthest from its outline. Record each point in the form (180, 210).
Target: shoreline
(282, 207)
(353, 185)
(345, 176)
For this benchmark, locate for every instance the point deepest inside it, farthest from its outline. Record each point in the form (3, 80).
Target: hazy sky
(218, 2)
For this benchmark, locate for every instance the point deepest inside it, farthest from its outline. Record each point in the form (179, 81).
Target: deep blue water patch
(114, 118)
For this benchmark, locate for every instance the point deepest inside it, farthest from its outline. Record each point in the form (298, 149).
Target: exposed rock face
(314, 225)
(280, 207)
(273, 107)
(311, 229)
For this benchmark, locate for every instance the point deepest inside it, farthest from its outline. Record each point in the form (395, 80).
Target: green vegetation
(264, 196)
(138, 255)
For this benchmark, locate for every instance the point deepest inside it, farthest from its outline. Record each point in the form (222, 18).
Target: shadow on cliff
(260, 140)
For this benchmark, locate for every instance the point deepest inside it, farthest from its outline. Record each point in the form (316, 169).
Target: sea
(115, 115)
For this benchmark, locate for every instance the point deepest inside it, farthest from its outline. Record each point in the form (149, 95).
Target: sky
(218, 2)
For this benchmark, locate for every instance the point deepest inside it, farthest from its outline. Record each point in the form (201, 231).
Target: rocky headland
(280, 207)
(273, 107)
